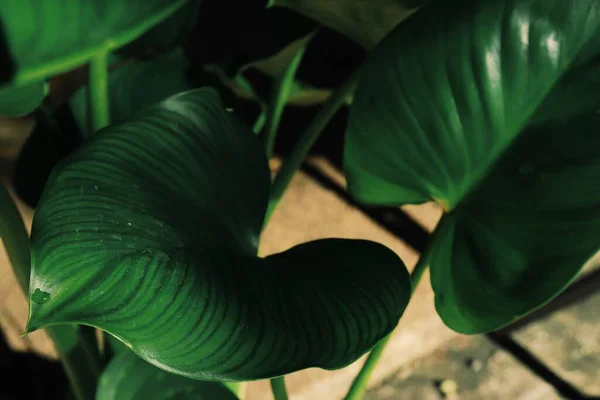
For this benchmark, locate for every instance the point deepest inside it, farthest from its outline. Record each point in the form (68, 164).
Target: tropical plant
(149, 230)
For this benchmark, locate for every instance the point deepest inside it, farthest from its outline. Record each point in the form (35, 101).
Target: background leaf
(135, 86)
(54, 136)
(364, 21)
(233, 34)
(167, 35)
(128, 377)
(44, 38)
(449, 109)
(156, 224)
(17, 102)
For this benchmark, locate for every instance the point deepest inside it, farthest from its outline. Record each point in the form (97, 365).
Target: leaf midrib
(36, 73)
(479, 178)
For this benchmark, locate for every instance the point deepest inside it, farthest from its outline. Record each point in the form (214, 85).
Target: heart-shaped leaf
(128, 377)
(136, 85)
(150, 233)
(491, 113)
(43, 38)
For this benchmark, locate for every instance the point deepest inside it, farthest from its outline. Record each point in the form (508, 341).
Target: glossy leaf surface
(493, 116)
(17, 102)
(128, 377)
(150, 233)
(136, 85)
(43, 38)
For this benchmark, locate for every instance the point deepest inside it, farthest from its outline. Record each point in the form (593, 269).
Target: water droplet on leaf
(40, 297)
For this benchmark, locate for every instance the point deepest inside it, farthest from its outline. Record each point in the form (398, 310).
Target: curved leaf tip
(150, 232)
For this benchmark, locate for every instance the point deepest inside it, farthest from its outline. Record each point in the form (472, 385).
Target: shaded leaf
(364, 21)
(156, 224)
(17, 102)
(492, 115)
(128, 377)
(135, 86)
(232, 33)
(44, 38)
(54, 136)
(164, 37)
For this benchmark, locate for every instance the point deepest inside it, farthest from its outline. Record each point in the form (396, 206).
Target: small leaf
(128, 377)
(136, 85)
(150, 232)
(44, 38)
(492, 114)
(17, 102)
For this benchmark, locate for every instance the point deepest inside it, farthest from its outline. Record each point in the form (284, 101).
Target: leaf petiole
(278, 387)
(359, 386)
(98, 92)
(306, 141)
(282, 88)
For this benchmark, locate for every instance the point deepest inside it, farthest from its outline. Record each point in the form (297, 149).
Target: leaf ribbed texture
(150, 232)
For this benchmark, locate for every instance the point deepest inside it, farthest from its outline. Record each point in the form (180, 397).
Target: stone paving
(568, 341)
(473, 368)
(467, 368)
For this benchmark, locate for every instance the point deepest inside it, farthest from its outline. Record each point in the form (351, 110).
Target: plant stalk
(238, 388)
(80, 364)
(306, 141)
(282, 88)
(98, 102)
(278, 387)
(259, 123)
(293, 162)
(360, 383)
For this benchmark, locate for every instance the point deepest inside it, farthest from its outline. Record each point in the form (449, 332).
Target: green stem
(88, 334)
(259, 123)
(238, 388)
(359, 386)
(282, 88)
(278, 387)
(82, 368)
(15, 238)
(419, 270)
(99, 111)
(306, 141)
(98, 93)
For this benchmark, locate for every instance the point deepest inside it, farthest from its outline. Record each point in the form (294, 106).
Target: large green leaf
(492, 114)
(150, 233)
(20, 101)
(128, 377)
(136, 85)
(43, 38)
